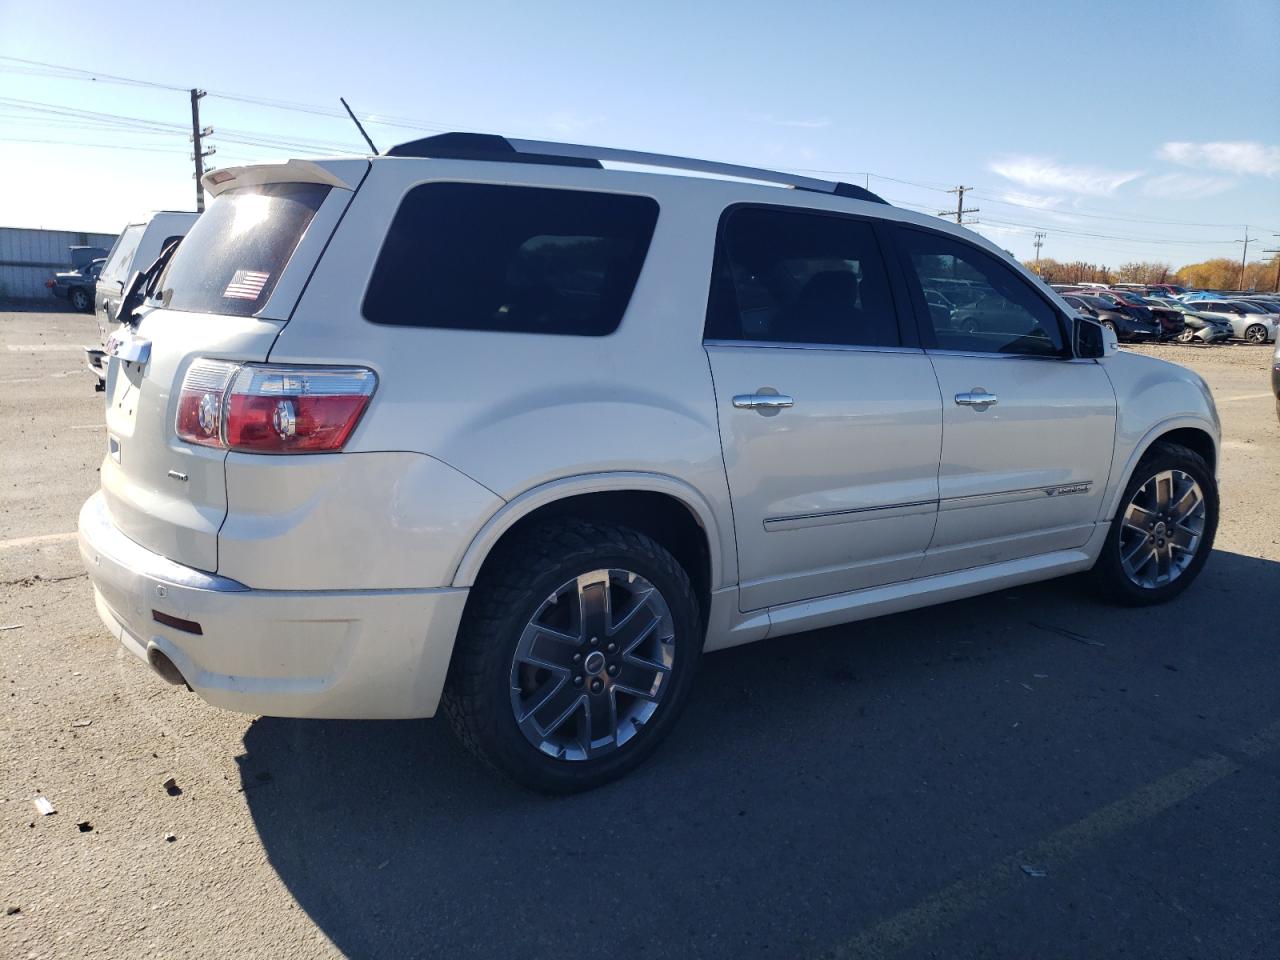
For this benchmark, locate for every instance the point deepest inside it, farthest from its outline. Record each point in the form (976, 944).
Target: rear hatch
(226, 294)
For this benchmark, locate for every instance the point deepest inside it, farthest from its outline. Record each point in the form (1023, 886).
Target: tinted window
(231, 259)
(996, 311)
(467, 256)
(117, 265)
(788, 277)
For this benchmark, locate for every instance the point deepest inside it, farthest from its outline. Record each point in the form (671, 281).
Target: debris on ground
(1029, 687)
(1031, 871)
(1040, 676)
(44, 806)
(171, 787)
(1069, 634)
(12, 626)
(85, 826)
(170, 837)
(10, 910)
(81, 723)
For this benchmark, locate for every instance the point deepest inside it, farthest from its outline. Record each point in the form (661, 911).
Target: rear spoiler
(344, 174)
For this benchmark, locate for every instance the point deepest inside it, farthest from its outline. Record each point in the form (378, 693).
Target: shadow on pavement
(815, 785)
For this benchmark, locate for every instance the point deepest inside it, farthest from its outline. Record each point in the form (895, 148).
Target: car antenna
(359, 127)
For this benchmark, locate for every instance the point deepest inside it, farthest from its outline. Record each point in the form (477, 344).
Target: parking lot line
(935, 913)
(32, 541)
(1247, 396)
(45, 348)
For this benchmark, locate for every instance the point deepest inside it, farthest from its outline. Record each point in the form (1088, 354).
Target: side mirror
(1089, 339)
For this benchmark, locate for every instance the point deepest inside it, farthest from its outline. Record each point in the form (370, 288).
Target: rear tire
(80, 300)
(1163, 530)
(1256, 333)
(540, 688)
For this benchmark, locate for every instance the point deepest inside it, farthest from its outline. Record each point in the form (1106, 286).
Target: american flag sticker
(246, 285)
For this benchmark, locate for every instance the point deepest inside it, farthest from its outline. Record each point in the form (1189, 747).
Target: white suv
(482, 423)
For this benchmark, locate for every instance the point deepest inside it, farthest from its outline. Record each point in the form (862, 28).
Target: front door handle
(764, 402)
(977, 398)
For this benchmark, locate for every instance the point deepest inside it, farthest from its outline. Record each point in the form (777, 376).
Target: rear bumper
(371, 654)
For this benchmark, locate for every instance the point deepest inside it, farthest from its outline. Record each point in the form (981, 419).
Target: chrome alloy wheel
(593, 664)
(1162, 529)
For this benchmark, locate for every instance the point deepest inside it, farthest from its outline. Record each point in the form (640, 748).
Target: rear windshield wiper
(142, 286)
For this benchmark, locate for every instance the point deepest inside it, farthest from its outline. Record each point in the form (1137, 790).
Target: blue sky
(1123, 130)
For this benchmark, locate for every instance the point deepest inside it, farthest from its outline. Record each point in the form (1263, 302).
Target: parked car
(1134, 306)
(470, 426)
(1172, 324)
(137, 247)
(1125, 327)
(76, 286)
(1262, 303)
(1275, 379)
(1247, 321)
(1204, 327)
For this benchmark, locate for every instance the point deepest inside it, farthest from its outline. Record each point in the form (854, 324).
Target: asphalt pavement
(1026, 774)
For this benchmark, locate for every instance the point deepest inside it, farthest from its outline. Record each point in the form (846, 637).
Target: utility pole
(1039, 242)
(198, 154)
(1244, 254)
(1276, 258)
(960, 210)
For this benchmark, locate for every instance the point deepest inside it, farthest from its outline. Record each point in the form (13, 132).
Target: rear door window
(233, 256)
(787, 276)
(469, 256)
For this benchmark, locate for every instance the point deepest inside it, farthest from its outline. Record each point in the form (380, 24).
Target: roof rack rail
(488, 146)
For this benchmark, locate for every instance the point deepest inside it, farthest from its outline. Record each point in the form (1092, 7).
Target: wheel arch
(1194, 434)
(669, 510)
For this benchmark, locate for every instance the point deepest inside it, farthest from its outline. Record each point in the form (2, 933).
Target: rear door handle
(764, 402)
(977, 398)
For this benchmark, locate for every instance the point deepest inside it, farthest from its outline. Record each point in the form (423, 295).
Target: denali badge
(1068, 489)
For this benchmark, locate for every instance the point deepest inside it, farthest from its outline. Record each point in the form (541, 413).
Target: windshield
(230, 261)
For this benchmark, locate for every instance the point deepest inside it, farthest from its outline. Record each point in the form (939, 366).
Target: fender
(1112, 502)
(565, 487)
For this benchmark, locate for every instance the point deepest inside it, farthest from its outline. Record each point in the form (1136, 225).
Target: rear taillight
(271, 408)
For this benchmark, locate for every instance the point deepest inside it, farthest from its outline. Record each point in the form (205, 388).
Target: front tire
(1187, 335)
(1163, 531)
(80, 300)
(1256, 333)
(575, 656)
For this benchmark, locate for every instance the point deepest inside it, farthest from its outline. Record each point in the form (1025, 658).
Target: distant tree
(1220, 273)
(1143, 272)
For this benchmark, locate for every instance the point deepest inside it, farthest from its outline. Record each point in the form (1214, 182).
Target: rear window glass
(232, 257)
(117, 265)
(466, 256)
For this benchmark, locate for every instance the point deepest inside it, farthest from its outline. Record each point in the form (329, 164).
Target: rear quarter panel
(516, 412)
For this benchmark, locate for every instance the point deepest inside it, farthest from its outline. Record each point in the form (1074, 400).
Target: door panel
(839, 491)
(1025, 475)
(1028, 430)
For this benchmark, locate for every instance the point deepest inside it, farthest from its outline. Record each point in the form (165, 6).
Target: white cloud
(1043, 173)
(1234, 156)
(1037, 200)
(1185, 185)
(815, 123)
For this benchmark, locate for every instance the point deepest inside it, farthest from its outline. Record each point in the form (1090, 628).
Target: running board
(907, 595)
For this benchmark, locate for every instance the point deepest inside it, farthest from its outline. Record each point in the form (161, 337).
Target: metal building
(28, 257)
